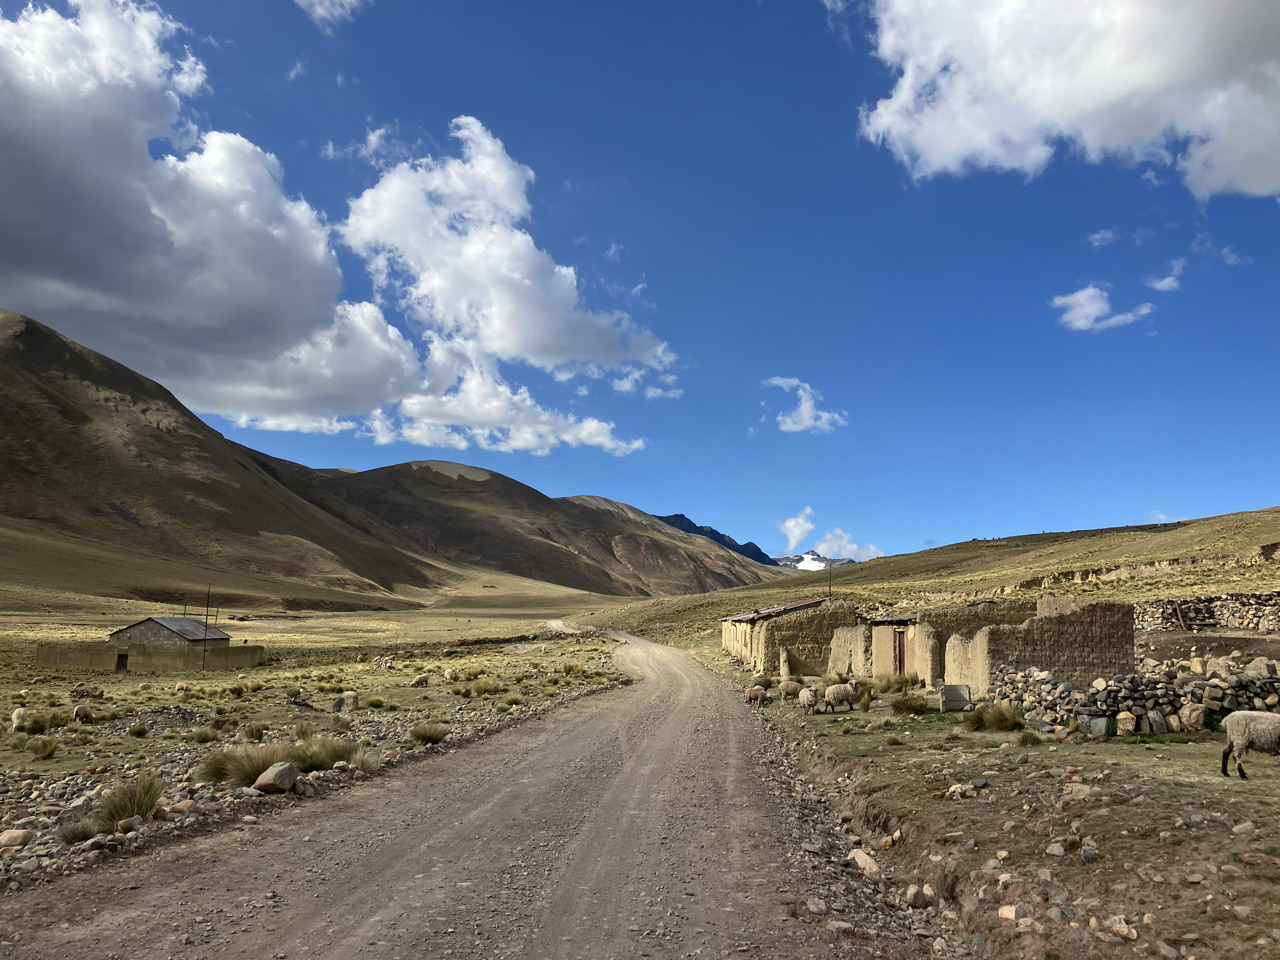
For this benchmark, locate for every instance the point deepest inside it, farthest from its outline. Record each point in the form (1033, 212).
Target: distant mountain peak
(748, 549)
(812, 560)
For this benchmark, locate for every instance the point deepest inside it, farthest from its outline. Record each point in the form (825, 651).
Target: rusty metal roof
(186, 627)
(904, 619)
(768, 612)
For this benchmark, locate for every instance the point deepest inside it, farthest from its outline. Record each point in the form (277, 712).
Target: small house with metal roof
(181, 632)
(800, 631)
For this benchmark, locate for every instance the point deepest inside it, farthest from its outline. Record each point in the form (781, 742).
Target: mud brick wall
(149, 659)
(71, 656)
(807, 633)
(851, 651)
(927, 650)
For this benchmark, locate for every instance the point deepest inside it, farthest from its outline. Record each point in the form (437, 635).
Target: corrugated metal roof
(768, 612)
(187, 627)
(908, 618)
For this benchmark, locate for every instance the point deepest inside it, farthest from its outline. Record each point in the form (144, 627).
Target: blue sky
(880, 275)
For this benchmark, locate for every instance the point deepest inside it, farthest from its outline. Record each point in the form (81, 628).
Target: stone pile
(1247, 611)
(1162, 699)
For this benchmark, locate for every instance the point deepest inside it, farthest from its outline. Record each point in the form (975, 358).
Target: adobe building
(153, 645)
(803, 631)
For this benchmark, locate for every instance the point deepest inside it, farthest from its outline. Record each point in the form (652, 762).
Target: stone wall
(1158, 700)
(1248, 611)
(76, 657)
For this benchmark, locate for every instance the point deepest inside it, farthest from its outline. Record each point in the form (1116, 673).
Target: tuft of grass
(571, 668)
(911, 703)
(320, 753)
(135, 799)
(892, 741)
(255, 731)
(374, 703)
(367, 759)
(994, 717)
(340, 723)
(304, 730)
(514, 700)
(485, 685)
(18, 741)
(255, 686)
(293, 693)
(1030, 738)
(424, 733)
(43, 748)
(75, 831)
(139, 730)
(864, 699)
(763, 681)
(240, 766)
(203, 735)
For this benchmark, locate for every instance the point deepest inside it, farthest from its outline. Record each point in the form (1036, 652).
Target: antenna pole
(207, 595)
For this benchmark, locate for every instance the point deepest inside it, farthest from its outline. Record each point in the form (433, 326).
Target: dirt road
(639, 822)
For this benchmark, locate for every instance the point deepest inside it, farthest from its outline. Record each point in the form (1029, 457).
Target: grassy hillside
(1232, 553)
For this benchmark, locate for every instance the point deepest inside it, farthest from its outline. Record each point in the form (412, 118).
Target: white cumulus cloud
(806, 416)
(200, 269)
(836, 544)
(1103, 237)
(796, 528)
(1089, 309)
(999, 84)
(1172, 281)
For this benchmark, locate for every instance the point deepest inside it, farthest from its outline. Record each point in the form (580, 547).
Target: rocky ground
(662, 819)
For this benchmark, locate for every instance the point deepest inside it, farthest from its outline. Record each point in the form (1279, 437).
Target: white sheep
(757, 695)
(808, 699)
(789, 688)
(839, 693)
(18, 719)
(1250, 730)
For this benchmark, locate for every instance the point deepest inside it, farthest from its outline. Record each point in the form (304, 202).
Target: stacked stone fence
(1162, 699)
(1247, 611)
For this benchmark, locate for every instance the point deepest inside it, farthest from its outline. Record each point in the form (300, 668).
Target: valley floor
(655, 820)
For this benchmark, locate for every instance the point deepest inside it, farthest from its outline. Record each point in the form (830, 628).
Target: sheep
(839, 693)
(1250, 730)
(808, 699)
(757, 695)
(18, 719)
(84, 714)
(420, 680)
(789, 688)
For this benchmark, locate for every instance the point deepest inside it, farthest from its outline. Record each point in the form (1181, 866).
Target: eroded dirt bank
(644, 822)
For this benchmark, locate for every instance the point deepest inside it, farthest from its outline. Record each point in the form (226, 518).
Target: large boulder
(867, 864)
(1126, 723)
(1192, 717)
(277, 778)
(16, 838)
(350, 700)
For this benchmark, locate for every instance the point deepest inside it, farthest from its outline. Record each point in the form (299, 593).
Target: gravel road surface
(638, 823)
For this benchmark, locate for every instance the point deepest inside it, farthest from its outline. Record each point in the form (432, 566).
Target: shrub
(203, 735)
(293, 693)
(1030, 738)
(764, 681)
(304, 730)
(548, 691)
(909, 703)
(237, 690)
(256, 686)
(136, 799)
(503, 708)
(18, 741)
(43, 748)
(240, 766)
(367, 759)
(995, 717)
(485, 685)
(429, 732)
(35, 723)
(75, 831)
(320, 753)
(864, 699)
(892, 741)
(374, 703)
(340, 723)
(571, 668)
(514, 700)
(138, 730)
(255, 731)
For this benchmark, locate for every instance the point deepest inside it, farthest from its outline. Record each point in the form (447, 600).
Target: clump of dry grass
(203, 735)
(321, 753)
(304, 730)
(485, 685)
(366, 759)
(864, 699)
(240, 766)
(1030, 738)
(137, 798)
(424, 733)
(909, 703)
(994, 717)
(75, 831)
(43, 748)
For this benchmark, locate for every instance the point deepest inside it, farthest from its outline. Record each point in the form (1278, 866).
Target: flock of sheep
(1246, 729)
(807, 697)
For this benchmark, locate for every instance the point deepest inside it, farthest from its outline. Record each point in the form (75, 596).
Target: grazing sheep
(789, 688)
(451, 674)
(757, 695)
(18, 719)
(839, 693)
(84, 714)
(420, 680)
(808, 699)
(1250, 730)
